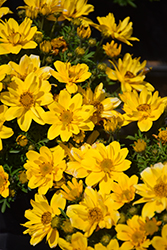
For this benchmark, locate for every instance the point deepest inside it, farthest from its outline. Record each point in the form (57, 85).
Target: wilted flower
(84, 32)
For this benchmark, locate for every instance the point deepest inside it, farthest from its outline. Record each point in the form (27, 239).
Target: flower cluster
(65, 130)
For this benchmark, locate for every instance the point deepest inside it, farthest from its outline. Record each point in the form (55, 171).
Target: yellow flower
(5, 132)
(130, 73)
(27, 65)
(44, 168)
(153, 190)
(160, 242)
(44, 219)
(4, 10)
(84, 31)
(22, 140)
(26, 98)
(94, 211)
(105, 163)
(162, 136)
(140, 145)
(113, 245)
(73, 9)
(14, 37)
(111, 49)
(150, 226)
(45, 46)
(143, 108)
(73, 190)
(113, 123)
(121, 32)
(104, 107)
(132, 234)
(5, 71)
(70, 74)
(4, 183)
(68, 116)
(78, 241)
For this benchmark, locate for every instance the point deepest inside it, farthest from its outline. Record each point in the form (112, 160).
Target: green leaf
(130, 137)
(4, 206)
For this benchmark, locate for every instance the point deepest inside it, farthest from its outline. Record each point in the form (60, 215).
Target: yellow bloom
(143, 108)
(140, 145)
(5, 71)
(104, 107)
(160, 242)
(132, 234)
(78, 241)
(162, 136)
(121, 32)
(84, 31)
(130, 73)
(73, 190)
(4, 10)
(22, 140)
(26, 99)
(45, 46)
(150, 226)
(68, 116)
(70, 74)
(5, 132)
(27, 65)
(4, 183)
(14, 37)
(113, 245)
(73, 9)
(44, 219)
(111, 49)
(153, 190)
(94, 211)
(44, 168)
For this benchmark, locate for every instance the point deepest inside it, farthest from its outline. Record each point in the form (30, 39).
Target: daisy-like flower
(153, 190)
(5, 132)
(5, 71)
(130, 73)
(94, 211)
(27, 65)
(160, 242)
(143, 108)
(26, 98)
(14, 37)
(112, 49)
(4, 183)
(73, 190)
(122, 31)
(71, 75)
(68, 116)
(104, 107)
(4, 10)
(78, 241)
(132, 234)
(44, 168)
(113, 245)
(44, 219)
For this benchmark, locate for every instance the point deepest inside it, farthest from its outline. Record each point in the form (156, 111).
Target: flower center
(46, 168)
(46, 218)
(106, 165)
(143, 107)
(160, 189)
(127, 195)
(2, 181)
(95, 214)
(26, 99)
(55, 222)
(66, 117)
(14, 37)
(129, 74)
(137, 238)
(98, 106)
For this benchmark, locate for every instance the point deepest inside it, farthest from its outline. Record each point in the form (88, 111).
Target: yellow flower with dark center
(84, 31)
(132, 234)
(44, 219)
(26, 98)
(68, 116)
(104, 107)
(143, 108)
(4, 10)
(130, 73)
(122, 31)
(70, 74)
(73, 190)
(140, 145)
(78, 241)
(14, 37)
(4, 183)
(153, 190)
(5, 132)
(160, 242)
(94, 211)
(44, 168)
(111, 49)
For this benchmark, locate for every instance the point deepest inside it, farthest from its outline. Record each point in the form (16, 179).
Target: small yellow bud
(105, 239)
(31, 147)
(92, 42)
(67, 227)
(140, 146)
(49, 59)
(22, 140)
(12, 192)
(22, 176)
(133, 210)
(102, 66)
(122, 218)
(38, 37)
(164, 218)
(45, 46)
(79, 51)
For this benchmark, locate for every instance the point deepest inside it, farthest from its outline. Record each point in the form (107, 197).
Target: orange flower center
(106, 165)
(129, 74)
(46, 168)
(2, 181)
(26, 99)
(95, 214)
(144, 107)
(66, 117)
(46, 218)
(138, 238)
(160, 189)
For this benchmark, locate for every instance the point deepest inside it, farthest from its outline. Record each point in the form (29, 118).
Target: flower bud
(45, 46)
(79, 51)
(92, 42)
(38, 37)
